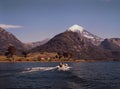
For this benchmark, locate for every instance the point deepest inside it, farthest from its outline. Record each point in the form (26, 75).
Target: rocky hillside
(74, 43)
(82, 45)
(6, 39)
(111, 44)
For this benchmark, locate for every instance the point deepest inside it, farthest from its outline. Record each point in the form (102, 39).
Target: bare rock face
(6, 39)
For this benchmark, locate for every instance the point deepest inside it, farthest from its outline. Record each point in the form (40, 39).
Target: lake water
(82, 75)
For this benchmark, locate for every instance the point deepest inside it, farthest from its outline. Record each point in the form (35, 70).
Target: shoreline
(83, 60)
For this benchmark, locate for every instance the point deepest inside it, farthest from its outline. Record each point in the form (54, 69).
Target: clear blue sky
(40, 19)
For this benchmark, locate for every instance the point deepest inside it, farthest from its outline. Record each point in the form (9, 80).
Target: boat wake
(35, 69)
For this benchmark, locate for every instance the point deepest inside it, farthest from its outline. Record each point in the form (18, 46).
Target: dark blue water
(82, 75)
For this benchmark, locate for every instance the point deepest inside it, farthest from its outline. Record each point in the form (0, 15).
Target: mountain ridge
(67, 42)
(6, 39)
(75, 42)
(31, 45)
(79, 42)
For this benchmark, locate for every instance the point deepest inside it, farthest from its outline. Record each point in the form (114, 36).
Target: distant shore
(36, 58)
(80, 60)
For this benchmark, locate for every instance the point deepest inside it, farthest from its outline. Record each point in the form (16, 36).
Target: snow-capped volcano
(76, 28)
(81, 31)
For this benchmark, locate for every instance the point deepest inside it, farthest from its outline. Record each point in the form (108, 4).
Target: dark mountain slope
(112, 45)
(6, 39)
(74, 43)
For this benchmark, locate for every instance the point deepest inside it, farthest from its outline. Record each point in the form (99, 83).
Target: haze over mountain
(31, 45)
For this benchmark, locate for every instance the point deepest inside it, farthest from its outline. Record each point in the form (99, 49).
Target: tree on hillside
(59, 55)
(11, 51)
(65, 55)
(25, 53)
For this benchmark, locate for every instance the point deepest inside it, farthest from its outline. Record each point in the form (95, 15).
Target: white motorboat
(63, 67)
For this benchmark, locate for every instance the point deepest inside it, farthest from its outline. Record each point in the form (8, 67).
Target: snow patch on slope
(90, 37)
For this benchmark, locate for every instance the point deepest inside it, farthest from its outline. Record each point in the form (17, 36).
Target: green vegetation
(38, 57)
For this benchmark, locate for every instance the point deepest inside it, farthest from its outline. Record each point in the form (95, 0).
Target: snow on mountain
(76, 28)
(90, 37)
(80, 30)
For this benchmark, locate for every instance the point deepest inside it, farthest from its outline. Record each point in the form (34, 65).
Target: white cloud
(6, 26)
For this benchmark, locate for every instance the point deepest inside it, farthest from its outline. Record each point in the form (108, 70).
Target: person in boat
(63, 65)
(66, 65)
